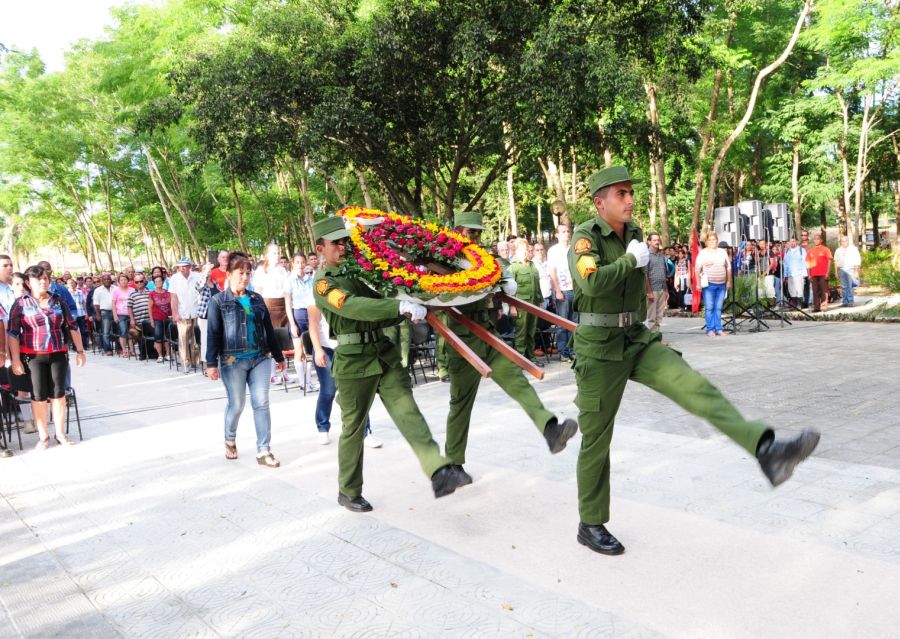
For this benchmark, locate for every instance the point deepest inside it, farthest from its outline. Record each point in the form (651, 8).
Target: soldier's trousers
(464, 382)
(355, 397)
(600, 387)
(526, 325)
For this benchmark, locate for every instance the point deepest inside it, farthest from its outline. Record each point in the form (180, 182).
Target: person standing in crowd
(562, 288)
(528, 288)
(714, 270)
(465, 380)
(206, 289)
(271, 281)
(7, 297)
(103, 313)
(613, 346)
(298, 298)
(657, 291)
(241, 341)
(184, 286)
(139, 313)
(847, 262)
(367, 363)
(818, 259)
(219, 274)
(38, 324)
(57, 288)
(540, 262)
(154, 272)
(159, 304)
(120, 295)
(80, 310)
(795, 271)
(682, 276)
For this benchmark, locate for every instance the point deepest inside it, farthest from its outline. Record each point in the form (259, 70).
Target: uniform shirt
(607, 281)
(103, 298)
(557, 257)
(40, 330)
(350, 306)
(528, 281)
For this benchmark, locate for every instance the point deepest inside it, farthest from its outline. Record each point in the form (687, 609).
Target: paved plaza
(146, 530)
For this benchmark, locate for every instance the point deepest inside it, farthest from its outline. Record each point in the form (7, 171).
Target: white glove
(416, 312)
(640, 251)
(509, 287)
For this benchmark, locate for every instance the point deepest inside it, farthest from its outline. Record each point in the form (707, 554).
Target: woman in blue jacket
(240, 341)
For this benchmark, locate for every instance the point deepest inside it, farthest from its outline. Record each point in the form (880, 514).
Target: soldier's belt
(608, 320)
(367, 337)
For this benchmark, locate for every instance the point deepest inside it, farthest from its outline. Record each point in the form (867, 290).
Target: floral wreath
(391, 251)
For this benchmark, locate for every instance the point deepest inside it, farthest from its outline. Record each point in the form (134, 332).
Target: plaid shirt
(39, 330)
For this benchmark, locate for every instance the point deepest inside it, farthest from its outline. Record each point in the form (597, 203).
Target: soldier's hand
(415, 312)
(509, 287)
(640, 251)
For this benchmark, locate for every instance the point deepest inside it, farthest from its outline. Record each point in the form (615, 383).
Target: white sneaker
(324, 440)
(373, 442)
(312, 388)
(275, 379)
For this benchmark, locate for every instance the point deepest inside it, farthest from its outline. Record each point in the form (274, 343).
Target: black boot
(445, 480)
(354, 504)
(779, 458)
(558, 434)
(599, 539)
(465, 477)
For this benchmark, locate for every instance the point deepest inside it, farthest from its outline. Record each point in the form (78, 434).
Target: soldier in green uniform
(366, 362)
(528, 288)
(613, 345)
(464, 379)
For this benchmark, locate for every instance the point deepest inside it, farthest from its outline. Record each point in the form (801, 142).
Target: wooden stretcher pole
(496, 342)
(461, 347)
(553, 318)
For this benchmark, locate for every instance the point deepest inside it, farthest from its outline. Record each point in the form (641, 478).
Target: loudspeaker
(759, 220)
(781, 221)
(728, 225)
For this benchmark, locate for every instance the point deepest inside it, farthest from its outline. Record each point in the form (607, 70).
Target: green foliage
(878, 270)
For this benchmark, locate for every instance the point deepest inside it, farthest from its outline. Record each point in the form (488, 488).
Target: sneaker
(159, 360)
(275, 379)
(565, 359)
(324, 439)
(312, 388)
(373, 442)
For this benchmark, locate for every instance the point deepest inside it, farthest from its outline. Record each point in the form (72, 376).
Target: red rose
(409, 283)
(397, 280)
(385, 274)
(441, 238)
(368, 266)
(421, 244)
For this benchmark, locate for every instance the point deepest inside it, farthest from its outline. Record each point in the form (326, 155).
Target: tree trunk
(367, 197)
(337, 191)
(658, 159)
(511, 202)
(176, 237)
(652, 194)
(763, 74)
(176, 203)
(239, 211)
(795, 189)
(554, 182)
(574, 179)
(109, 224)
(844, 204)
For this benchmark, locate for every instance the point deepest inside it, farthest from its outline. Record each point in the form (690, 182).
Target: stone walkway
(145, 530)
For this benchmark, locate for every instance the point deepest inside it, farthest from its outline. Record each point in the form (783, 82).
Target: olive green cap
(469, 220)
(607, 176)
(331, 228)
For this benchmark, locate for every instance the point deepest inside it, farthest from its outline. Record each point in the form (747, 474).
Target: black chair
(309, 352)
(195, 345)
(286, 343)
(421, 349)
(9, 413)
(545, 337)
(72, 402)
(148, 342)
(171, 333)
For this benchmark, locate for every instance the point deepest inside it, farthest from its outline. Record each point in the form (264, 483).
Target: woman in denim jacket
(240, 339)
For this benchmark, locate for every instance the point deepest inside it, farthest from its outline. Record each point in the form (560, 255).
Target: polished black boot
(354, 504)
(465, 478)
(779, 458)
(599, 539)
(558, 434)
(445, 480)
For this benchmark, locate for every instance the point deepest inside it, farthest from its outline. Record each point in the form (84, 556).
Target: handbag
(704, 280)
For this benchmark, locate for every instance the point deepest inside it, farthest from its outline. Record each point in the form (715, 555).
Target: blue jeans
(713, 299)
(327, 391)
(846, 286)
(778, 290)
(106, 322)
(237, 376)
(564, 309)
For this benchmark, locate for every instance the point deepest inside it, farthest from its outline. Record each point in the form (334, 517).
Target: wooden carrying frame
(491, 338)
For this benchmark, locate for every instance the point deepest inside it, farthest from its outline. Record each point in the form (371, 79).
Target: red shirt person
(818, 259)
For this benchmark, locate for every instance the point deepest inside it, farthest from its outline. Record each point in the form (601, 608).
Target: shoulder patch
(583, 245)
(336, 298)
(321, 287)
(586, 265)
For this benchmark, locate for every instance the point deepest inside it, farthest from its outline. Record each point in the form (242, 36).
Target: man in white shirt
(103, 315)
(846, 266)
(558, 263)
(540, 261)
(184, 286)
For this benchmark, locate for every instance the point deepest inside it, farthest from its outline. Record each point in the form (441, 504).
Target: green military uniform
(612, 345)
(366, 362)
(528, 282)
(464, 379)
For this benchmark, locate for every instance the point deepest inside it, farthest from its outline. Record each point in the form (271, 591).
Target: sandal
(267, 459)
(231, 450)
(65, 440)
(42, 444)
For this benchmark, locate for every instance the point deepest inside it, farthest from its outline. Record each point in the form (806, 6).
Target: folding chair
(286, 343)
(9, 406)
(72, 402)
(421, 348)
(172, 340)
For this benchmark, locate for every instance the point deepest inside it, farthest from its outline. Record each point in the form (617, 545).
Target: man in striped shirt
(138, 310)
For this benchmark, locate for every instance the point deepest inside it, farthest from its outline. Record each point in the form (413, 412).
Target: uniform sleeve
(589, 274)
(330, 295)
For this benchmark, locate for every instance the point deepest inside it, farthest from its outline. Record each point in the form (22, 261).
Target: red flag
(695, 281)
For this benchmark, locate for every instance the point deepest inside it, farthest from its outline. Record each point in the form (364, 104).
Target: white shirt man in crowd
(184, 286)
(558, 263)
(103, 315)
(846, 266)
(7, 297)
(540, 261)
